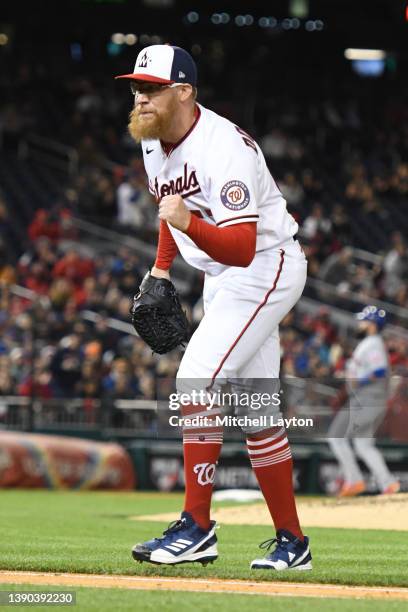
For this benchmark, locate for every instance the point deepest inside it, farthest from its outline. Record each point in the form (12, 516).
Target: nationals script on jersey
(220, 172)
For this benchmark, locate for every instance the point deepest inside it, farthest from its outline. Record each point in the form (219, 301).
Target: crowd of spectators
(383, 278)
(374, 277)
(341, 163)
(50, 348)
(314, 347)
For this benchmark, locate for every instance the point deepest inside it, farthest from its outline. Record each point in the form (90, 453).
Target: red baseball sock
(202, 447)
(271, 461)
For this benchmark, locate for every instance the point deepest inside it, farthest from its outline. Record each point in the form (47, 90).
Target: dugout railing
(107, 417)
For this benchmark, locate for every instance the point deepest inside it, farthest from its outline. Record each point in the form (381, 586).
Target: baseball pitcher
(221, 209)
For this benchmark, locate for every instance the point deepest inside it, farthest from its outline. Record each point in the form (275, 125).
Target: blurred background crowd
(336, 143)
(49, 348)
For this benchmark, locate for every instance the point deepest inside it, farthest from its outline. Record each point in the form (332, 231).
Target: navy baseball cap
(374, 314)
(163, 64)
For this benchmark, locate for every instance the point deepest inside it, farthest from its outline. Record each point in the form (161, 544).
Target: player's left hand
(173, 210)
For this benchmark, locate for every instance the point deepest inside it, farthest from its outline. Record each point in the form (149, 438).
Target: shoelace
(173, 526)
(269, 543)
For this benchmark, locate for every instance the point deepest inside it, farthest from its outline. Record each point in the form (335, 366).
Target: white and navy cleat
(290, 553)
(183, 542)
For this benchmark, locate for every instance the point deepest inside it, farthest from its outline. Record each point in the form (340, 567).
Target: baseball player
(367, 381)
(221, 209)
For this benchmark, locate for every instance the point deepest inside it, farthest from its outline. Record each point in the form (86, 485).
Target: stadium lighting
(267, 22)
(299, 8)
(218, 18)
(193, 17)
(364, 54)
(130, 39)
(118, 38)
(313, 26)
(3, 39)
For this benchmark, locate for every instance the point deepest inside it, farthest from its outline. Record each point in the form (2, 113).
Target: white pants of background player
(238, 336)
(358, 424)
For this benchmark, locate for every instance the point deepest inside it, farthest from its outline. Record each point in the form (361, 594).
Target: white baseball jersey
(368, 356)
(221, 172)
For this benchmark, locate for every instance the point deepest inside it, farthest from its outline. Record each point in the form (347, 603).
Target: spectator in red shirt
(74, 268)
(37, 386)
(38, 279)
(44, 224)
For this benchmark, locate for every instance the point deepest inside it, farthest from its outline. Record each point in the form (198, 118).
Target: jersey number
(247, 139)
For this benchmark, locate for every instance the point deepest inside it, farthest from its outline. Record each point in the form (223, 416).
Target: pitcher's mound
(370, 512)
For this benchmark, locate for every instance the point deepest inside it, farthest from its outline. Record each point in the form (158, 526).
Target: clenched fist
(173, 210)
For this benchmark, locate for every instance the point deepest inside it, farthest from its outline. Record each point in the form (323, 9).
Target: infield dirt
(367, 512)
(212, 585)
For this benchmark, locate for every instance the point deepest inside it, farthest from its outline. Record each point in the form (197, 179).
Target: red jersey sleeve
(166, 248)
(234, 245)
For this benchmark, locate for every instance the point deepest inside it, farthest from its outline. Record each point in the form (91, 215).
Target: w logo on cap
(143, 61)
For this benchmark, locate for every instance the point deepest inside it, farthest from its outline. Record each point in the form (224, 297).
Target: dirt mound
(367, 512)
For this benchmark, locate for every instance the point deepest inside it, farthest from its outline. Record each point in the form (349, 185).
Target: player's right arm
(232, 246)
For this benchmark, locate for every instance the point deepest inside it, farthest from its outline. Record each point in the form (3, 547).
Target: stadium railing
(49, 152)
(349, 300)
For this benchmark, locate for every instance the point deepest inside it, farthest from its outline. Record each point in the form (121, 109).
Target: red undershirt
(232, 246)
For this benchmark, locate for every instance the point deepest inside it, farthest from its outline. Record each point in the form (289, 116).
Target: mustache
(138, 110)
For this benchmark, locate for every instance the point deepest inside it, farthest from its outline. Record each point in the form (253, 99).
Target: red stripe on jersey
(234, 344)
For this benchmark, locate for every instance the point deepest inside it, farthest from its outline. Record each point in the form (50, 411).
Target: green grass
(165, 601)
(91, 532)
